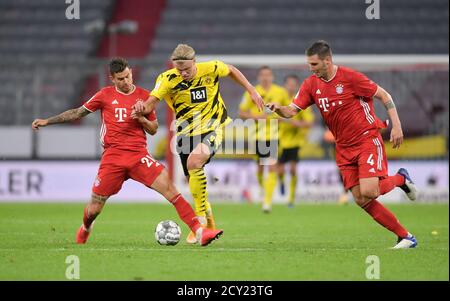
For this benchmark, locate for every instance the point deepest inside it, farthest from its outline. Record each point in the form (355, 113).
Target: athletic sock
(292, 189)
(385, 218)
(260, 177)
(281, 178)
(197, 185)
(269, 187)
(185, 212)
(389, 183)
(88, 218)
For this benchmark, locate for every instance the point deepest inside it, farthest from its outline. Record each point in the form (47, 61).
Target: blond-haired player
(191, 89)
(266, 136)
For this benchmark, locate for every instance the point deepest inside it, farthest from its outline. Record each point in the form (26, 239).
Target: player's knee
(194, 162)
(370, 193)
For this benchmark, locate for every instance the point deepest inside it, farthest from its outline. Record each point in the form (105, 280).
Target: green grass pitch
(308, 242)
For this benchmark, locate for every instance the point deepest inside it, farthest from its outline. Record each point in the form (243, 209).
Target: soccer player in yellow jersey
(267, 136)
(191, 89)
(293, 135)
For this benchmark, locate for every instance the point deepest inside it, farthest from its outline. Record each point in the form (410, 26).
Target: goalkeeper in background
(293, 135)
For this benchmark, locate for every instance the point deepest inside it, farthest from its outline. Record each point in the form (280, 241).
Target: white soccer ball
(167, 233)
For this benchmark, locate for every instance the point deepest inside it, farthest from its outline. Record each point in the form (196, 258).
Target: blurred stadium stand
(47, 62)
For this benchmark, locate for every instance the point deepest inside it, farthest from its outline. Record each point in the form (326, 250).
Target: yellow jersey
(291, 136)
(275, 94)
(198, 105)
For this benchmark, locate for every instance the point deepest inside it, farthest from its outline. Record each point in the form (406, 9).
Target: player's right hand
(139, 107)
(37, 123)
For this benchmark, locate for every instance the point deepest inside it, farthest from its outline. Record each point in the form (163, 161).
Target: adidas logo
(372, 170)
(318, 91)
(115, 102)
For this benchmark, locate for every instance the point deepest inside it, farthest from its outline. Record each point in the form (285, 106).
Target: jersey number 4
(198, 95)
(149, 161)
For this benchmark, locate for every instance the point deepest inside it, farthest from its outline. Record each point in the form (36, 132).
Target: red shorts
(117, 166)
(365, 160)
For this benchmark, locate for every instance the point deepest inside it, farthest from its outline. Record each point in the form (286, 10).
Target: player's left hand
(396, 137)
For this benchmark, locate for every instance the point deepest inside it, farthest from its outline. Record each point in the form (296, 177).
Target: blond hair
(183, 52)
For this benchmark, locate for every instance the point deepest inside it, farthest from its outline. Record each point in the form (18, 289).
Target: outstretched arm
(144, 108)
(67, 116)
(238, 77)
(284, 111)
(396, 132)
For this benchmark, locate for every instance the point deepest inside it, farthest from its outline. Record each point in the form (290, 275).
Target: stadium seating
(42, 55)
(288, 26)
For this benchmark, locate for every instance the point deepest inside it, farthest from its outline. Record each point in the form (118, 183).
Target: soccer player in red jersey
(125, 152)
(345, 100)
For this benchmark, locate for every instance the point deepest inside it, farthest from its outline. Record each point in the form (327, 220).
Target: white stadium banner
(228, 181)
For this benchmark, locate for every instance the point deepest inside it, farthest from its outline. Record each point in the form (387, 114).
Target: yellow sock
(269, 187)
(260, 177)
(197, 185)
(292, 188)
(281, 177)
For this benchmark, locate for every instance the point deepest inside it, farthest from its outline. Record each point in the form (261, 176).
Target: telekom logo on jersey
(121, 114)
(323, 104)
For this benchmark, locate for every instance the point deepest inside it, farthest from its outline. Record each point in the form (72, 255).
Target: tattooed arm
(66, 116)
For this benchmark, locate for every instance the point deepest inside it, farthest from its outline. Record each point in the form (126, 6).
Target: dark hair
(293, 76)
(321, 48)
(117, 64)
(265, 67)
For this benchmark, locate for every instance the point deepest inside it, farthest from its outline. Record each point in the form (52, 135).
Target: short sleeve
(152, 116)
(303, 98)
(161, 87)
(95, 102)
(246, 103)
(221, 68)
(363, 86)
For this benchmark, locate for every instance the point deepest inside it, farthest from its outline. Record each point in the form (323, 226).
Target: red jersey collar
(334, 75)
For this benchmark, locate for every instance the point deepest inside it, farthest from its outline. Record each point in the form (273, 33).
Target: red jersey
(118, 129)
(345, 102)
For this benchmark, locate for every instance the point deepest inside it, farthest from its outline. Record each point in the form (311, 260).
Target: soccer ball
(167, 233)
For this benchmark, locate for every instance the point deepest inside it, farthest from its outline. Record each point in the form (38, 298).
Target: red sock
(185, 212)
(385, 218)
(88, 219)
(389, 183)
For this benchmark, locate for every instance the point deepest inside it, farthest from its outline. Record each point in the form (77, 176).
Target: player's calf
(91, 211)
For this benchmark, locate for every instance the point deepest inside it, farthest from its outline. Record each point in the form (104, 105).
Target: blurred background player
(293, 135)
(125, 152)
(191, 89)
(265, 135)
(345, 99)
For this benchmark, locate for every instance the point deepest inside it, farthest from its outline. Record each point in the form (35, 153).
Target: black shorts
(186, 144)
(289, 155)
(267, 149)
